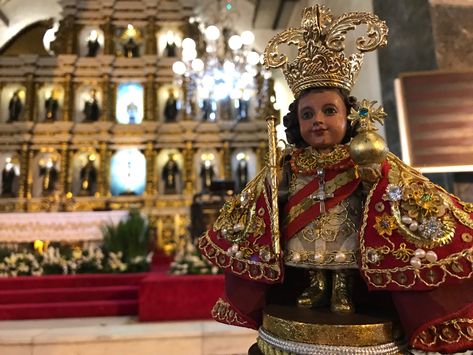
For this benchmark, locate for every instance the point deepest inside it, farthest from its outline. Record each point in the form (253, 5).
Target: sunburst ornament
(366, 116)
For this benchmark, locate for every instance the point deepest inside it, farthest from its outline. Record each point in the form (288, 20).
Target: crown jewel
(320, 61)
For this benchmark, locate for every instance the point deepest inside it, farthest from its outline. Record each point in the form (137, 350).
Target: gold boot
(341, 301)
(315, 295)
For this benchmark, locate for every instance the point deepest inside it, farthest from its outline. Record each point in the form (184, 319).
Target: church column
(150, 98)
(108, 34)
(226, 161)
(64, 169)
(151, 47)
(29, 172)
(103, 180)
(23, 171)
(68, 98)
(188, 168)
(106, 98)
(69, 172)
(30, 95)
(150, 156)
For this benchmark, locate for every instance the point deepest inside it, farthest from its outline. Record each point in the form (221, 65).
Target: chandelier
(221, 82)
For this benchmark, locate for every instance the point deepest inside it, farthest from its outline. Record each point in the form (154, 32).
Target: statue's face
(322, 119)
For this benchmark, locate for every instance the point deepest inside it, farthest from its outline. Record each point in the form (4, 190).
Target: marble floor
(122, 336)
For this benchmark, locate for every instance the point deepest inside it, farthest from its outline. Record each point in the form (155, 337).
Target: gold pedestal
(289, 330)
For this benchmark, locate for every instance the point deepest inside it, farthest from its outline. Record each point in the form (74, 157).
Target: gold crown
(320, 61)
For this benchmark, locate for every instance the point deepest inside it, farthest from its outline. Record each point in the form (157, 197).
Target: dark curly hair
(291, 122)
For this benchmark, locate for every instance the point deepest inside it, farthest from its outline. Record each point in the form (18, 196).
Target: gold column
(70, 157)
(103, 179)
(29, 178)
(106, 98)
(151, 47)
(188, 168)
(150, 98)
(150, 156)
(108, 34)
(68, 98)
(30, 95)
(23, 171)
(64, 169)
(226, 161)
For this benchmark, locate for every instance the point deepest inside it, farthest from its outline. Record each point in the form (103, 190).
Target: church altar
(56, 226)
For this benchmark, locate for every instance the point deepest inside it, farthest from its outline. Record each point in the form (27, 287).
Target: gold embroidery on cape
(223, 312)
(242, 264)
(451, 331)
(374, 275)
(238, 217)
(420, 199)
(310, 159)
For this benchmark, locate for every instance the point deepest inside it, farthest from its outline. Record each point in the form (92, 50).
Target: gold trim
(449, 332)
(329, 334)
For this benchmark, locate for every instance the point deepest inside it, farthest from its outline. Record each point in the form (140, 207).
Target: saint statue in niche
(93, 44)
(91, 108)
(51, 105)
(8, 178)
(15, 107)
(242, 111)
(49, 173)
(242, 171)
(207, 172)
(88, 177)
(170, 108)
(170, 49)
(130, 48)
(169, 175)
(132, 111)
(209, 108)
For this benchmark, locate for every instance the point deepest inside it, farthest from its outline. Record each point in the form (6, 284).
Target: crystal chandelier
(222, 81)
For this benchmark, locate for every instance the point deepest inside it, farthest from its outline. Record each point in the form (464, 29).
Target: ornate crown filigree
(321, 61)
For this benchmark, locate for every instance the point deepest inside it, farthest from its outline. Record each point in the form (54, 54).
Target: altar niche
(207, 169)
(85, 170)
(243, 165)
(88, 104)
(46, 173)
(91, 40)
(169, 165)
(12, 103)
(169, 43)
(10, 167)
(128, 172)
(129, 109)
(169, 103)
(50, 101)
(129, 42)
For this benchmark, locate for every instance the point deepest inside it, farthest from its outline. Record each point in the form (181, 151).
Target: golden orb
(368, 148)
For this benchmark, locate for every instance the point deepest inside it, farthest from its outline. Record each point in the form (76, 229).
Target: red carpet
(154, 296)
(61, 296)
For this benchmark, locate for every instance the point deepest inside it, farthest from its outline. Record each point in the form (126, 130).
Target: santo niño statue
(336, 231)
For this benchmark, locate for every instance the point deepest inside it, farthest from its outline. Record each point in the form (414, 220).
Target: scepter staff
(273, 177)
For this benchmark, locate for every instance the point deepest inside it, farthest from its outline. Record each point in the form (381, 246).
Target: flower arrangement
(125, 248)
(188, 260)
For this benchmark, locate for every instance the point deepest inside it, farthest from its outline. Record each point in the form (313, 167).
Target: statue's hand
(369, 173)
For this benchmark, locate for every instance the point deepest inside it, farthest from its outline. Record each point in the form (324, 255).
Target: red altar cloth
(167, 297)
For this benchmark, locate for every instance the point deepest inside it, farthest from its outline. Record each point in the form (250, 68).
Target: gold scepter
(273, 175)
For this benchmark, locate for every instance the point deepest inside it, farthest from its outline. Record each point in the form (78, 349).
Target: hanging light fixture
(224, 75)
